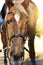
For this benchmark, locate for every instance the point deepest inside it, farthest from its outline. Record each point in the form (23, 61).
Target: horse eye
(8, 21)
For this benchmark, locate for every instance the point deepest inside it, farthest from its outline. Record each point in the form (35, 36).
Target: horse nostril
(22, 54)
(16, 57)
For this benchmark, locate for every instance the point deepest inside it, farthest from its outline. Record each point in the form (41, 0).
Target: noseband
(16, 36)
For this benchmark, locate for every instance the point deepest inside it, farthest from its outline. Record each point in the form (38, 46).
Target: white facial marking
(17, 17)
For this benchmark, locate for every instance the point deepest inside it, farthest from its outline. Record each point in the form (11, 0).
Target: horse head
(16, 29)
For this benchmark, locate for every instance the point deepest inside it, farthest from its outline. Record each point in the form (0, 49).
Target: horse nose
(16, 56)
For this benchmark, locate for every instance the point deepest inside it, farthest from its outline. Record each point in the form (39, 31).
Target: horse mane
(19, 7)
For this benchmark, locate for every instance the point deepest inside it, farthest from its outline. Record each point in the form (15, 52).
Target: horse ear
(25, 3)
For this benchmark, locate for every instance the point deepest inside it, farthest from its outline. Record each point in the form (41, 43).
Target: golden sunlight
(41, 9)
(39, 27)
(38, 42)
(39, 4)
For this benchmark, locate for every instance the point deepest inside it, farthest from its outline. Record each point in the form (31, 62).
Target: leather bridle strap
(18, 35)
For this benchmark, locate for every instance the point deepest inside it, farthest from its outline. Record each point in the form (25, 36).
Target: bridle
(16, 36)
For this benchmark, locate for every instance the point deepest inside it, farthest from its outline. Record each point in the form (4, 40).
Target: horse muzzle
(17, 56)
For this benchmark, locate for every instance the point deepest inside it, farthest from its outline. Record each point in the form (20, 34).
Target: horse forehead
(17, 17)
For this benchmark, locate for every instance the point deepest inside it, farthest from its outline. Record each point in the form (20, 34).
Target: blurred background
(38, 41)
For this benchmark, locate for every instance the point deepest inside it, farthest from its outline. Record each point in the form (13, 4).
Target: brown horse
(18, 29)
(16, 22)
